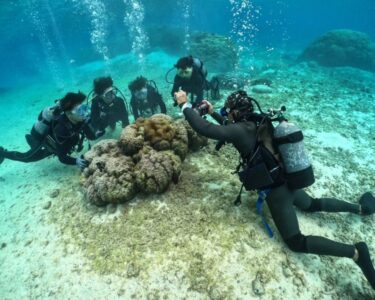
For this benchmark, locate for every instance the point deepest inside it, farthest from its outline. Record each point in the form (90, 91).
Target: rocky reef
(218, 52)
(340, 48)
(146, 159)
(170, 39)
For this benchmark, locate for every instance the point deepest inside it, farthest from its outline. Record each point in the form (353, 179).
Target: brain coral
(342, 48)
(146, 159)
(109, 177)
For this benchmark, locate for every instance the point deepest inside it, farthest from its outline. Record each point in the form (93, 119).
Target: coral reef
(109, 177)
(170, 39)
(217, 52)
(232, 81)
(147, 158)
(342, 48)
(156, 170)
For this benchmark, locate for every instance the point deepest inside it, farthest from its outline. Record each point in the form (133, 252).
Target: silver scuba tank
(298, 170)
(200, 66)
(42, 126)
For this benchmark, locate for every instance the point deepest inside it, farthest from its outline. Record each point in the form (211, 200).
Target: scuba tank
(42, 127)
(198, 64)
(45, 119)
(288, 139)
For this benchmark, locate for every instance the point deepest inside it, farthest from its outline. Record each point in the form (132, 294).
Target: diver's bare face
(185, 73)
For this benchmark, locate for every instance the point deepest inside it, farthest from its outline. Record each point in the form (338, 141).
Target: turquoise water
(189, 242)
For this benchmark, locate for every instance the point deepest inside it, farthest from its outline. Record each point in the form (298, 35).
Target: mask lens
(109, 96)
(224, 112)
(81, 112)
(184, 72)
(141, 94)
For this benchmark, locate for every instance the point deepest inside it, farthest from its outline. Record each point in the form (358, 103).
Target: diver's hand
(103, 115)
(181, 97)
(210, 107)
(99, 133)
(81, 163)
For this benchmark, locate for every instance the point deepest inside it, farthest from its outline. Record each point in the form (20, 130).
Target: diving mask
(109, 95)
(79, 113)
(141, 94)
(185, 73)
(224, 111)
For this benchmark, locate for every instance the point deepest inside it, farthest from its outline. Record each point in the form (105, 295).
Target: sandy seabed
(191, 242)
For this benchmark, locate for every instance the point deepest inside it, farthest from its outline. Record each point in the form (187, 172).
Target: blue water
(67, 27)
(51, 47)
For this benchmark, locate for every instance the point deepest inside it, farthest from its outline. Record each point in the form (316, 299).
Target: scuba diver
(106, 107)
(58, 131)
(146, 99)
(191, 77)
(266, 167)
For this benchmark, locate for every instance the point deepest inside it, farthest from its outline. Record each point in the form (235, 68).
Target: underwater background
(190, 242)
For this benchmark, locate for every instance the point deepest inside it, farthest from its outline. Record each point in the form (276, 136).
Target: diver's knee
(297, 243)
(315, 205)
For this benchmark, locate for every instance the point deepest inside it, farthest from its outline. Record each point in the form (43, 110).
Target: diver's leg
(30, 156)
(306, 203)
(280, 202)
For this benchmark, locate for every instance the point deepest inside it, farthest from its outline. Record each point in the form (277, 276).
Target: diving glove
(81, 163)
(99, 133)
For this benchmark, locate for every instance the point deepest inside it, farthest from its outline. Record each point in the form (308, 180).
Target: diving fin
(2, 157)
(367, 202)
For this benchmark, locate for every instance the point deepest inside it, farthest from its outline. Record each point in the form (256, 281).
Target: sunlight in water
(244, 30)
(186, 10)
(99, 24)
(60, 42)
(134, 16)
(33, 10)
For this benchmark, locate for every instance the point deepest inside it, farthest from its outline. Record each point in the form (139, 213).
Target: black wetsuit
(153, 101)
(60, 142)
(195, 85)
(104, 115)
(281, 200)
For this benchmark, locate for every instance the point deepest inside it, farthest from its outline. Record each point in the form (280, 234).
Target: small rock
(258, 286)
(132, 271)
(3, 245)
(54, 193)
(111, 208)
(47, 205)
(262, 89)
(261, 81)
(28, 243)
(287, 271)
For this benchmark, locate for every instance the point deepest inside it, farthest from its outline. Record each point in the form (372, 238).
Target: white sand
(41, 260)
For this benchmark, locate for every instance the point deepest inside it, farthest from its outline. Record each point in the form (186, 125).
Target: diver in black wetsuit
(66, 130)
(243, 134)
(106, 107)
(146, 100)
(191, 78)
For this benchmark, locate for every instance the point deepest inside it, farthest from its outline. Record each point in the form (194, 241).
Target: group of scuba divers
(273, 158)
